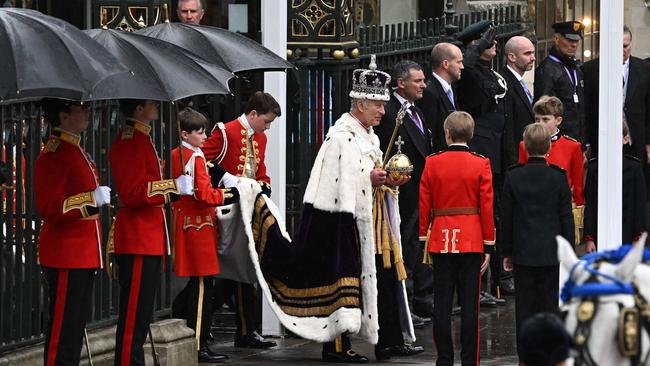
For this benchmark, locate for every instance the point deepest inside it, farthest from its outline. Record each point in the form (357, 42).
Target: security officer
(481, 92)
(560, 75)
(68, 197)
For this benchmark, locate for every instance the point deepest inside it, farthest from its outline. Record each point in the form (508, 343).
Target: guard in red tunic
(195, 233)
(139, 233)
(457, 223)
(239, 147)
(68, 197)
(565, 152)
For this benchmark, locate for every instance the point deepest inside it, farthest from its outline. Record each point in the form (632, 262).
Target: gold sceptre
(399, 164)
(166, 13)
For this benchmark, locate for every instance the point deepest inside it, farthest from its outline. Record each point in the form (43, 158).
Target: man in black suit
(438, 99)
(520, 57)
(636, 95)
(409, 85)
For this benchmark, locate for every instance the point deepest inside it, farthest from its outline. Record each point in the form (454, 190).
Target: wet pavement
(497, 344)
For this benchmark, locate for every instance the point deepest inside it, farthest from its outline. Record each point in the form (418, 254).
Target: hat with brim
(571, 30)
(473, 31)
(370, 83)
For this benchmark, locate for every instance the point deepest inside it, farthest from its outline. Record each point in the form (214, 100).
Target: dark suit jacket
(636, 105)
(436, 107)
(634, 193)
(519, 114)
(417, 147)
(535, 207)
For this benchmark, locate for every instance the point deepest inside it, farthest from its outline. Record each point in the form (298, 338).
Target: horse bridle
(631, 320)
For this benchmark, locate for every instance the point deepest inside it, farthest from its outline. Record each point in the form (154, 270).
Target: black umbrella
(42, 56)
(228, 49)
(161, 70)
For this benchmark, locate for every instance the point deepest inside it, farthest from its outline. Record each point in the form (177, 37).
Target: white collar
(193, 148)
(458, 144)
(445, 85)
(402, 100)
(515, 73)
(368, 129)
(247, 125)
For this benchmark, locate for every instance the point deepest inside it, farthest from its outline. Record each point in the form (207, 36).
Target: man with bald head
(438, 99)
(520, 57)
(190, 11)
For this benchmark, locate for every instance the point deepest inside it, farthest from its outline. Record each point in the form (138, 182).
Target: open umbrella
(228, 49)
(161, 70)
(42, 56)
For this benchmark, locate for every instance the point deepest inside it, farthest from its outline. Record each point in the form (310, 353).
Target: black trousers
(70, 296)
(186, 305)
(537, 292)
(460, 273)
(390, 330)
(419, 282)
(245, 296)
(138, 277)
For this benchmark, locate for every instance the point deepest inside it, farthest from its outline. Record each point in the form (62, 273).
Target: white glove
(229, 180)
(185, 184)
(102, 195)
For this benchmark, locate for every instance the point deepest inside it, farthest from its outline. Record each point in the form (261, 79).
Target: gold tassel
(577, 221)
(426, 256)
(385, 244)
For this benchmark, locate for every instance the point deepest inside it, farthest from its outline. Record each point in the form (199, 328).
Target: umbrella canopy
(42, 56)
(161, 70)
(228, 49)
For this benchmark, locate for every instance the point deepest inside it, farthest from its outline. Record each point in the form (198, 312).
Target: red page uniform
(456, 203)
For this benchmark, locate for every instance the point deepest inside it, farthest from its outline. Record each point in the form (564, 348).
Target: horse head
(601, 302)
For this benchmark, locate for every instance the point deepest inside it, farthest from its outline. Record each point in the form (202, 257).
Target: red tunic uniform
(195, 229)
(233, 152)
(64, 180)
(456, 199)
(140, 226)
(567, 154)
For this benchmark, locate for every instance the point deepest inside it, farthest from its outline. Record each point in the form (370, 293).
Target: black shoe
(253, 340)
(419, 322)
(486, 301)
(406, 350)
(507, 286)
(493, 298)
(348, 356)
(207, 356)
(383, 353)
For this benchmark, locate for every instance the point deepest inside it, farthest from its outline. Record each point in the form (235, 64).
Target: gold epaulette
(132, 125)
(163, 187)
(80, 201)
(52, 144)
(477, 154)
(437, 152)
(569, 138)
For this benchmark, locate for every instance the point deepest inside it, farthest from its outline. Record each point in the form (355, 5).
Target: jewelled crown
(370, 83)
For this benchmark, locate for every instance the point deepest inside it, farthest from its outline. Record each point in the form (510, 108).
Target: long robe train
(318, 284)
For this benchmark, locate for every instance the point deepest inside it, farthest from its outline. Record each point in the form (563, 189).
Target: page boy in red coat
(457, 222)
(140, 229)
(239, 147)
(68, 196)
(565, 152)
(195, 232)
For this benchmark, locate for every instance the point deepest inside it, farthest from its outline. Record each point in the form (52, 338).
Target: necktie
(416, 119)
(450, 95)
(528, 94)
